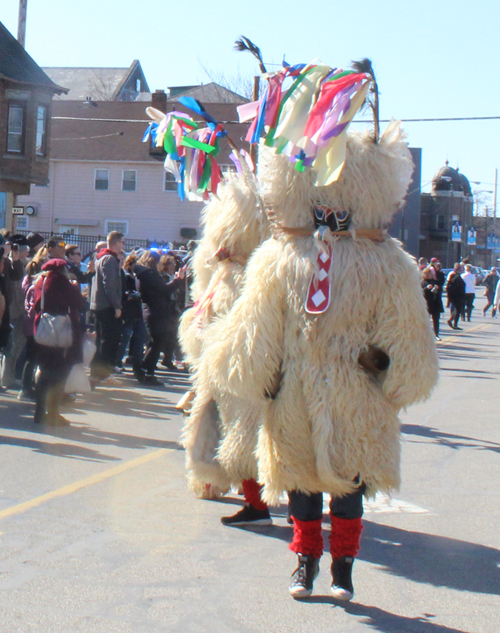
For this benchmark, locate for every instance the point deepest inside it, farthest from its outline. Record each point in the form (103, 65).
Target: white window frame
(123, 228)
(171, 182)
(41, 130)
(15, 132)
(24, 219)
(438, 217)
(124, 171)
(102, 179)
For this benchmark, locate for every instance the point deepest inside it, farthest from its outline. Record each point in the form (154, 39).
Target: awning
(76, 222)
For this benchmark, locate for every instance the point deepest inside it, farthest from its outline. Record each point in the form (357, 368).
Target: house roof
(17, 66)
(98, 83)
(206, 93)
(113, 130)
(209, 93)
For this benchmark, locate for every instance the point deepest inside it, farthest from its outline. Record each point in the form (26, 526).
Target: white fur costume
(233, 221)
(331, 420)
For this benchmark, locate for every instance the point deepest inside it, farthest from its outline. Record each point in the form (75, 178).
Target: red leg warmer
(345, 536)
(307, 538)
(251, 490)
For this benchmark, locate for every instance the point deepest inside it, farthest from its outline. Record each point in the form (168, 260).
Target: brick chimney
(159, 100)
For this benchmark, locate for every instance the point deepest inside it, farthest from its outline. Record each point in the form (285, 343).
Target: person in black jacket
(432, 297)
(74, 259)
(134, 333)
(157, 308)
(455, 289)
(490, 281)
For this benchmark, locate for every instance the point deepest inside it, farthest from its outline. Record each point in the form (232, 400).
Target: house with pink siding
(102, 177)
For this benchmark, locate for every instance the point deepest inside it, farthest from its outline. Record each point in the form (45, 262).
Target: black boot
(342, 588)
(303, 577)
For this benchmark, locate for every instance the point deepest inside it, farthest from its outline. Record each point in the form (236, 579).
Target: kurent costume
(234, 225)
(307, 353)
(330, 332)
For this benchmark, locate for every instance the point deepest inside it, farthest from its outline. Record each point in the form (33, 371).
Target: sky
(432, 59)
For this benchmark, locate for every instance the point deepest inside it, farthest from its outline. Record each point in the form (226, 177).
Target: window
(22, 222)
(116, 225)
(15, 130)
(169, 183)
(101, 179)
(440, 222)
(41, 129)
(227, 170)
(128, 180)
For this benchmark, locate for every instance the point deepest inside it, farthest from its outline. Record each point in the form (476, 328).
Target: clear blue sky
(432, 58)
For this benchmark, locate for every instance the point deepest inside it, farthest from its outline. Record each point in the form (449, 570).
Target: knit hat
(34, 239)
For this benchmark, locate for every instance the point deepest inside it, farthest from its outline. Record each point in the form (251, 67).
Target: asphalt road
(99, 533)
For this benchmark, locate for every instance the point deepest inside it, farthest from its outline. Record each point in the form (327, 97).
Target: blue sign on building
(3, 206)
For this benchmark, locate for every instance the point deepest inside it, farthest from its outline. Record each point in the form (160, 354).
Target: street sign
(17, 210)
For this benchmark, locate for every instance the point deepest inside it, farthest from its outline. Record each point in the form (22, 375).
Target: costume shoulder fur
(329, 418)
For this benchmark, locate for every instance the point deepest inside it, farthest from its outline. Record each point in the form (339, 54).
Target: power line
(464, 118)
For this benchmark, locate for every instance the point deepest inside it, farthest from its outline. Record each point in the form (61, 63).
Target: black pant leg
(350, 506)
(305, 507)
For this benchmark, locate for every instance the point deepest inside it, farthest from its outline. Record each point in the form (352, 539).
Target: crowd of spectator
(459, 287)
(126, 306)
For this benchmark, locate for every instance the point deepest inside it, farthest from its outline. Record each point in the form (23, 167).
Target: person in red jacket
(61, 297)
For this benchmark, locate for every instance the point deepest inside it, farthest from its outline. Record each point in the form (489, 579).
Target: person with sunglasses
(56, 248)
(74, 259)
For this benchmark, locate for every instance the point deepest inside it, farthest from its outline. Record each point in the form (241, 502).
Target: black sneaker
(152, 381)
(303, 577)
(342, 588)
(248, 515)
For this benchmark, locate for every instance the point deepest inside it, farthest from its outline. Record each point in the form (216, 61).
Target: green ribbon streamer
(205, 177)
(191, 142)
(169, 141)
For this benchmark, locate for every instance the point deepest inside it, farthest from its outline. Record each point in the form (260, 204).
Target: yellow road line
(477, 327)
(453, 339)
(83, 483)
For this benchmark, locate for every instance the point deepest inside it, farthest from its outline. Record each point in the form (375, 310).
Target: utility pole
(495, 195)
(21, 25)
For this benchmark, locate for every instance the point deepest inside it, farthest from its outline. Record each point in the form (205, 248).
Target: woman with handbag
(58, 337)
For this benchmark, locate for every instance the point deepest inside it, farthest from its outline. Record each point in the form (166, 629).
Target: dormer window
(16, 128)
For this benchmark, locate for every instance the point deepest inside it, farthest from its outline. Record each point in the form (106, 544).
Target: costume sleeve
(247, 343)
(403, 330)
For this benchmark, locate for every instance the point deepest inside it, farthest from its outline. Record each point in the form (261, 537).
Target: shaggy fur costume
(330, 420)
(234, 222)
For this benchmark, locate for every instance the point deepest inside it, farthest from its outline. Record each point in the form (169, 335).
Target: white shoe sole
(300, 593)
(341, 594)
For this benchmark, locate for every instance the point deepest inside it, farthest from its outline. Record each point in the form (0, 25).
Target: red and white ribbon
(318, 294)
